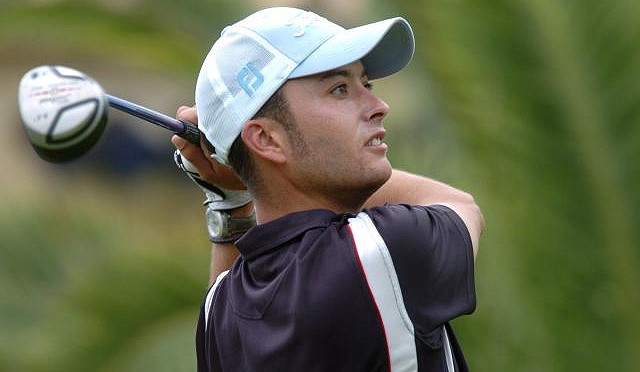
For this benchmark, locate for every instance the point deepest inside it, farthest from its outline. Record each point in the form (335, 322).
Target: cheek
(335, 125)
(334, 144)
(330, 131)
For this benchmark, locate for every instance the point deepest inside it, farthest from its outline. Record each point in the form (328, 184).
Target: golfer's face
(340, 120)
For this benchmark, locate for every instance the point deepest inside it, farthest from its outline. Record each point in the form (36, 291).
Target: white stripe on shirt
(385, 288)
(209, 300)
(383, 282)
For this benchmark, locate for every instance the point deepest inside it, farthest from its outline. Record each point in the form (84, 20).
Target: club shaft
(144, 113)
(181, 128)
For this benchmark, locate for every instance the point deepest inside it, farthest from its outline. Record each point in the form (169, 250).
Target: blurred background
(533, 106)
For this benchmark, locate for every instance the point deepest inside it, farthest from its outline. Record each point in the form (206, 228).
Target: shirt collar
(272, 234)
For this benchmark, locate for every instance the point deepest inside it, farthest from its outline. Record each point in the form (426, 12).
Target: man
(353, 266)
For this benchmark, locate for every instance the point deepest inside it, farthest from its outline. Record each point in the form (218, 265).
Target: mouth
(376, 140)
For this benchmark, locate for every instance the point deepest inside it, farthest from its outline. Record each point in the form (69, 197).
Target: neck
(280, 201)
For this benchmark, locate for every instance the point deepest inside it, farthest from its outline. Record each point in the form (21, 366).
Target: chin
(377, 177)
(383, 171)
(384, 177)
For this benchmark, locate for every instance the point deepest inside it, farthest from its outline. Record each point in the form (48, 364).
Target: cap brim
(384, 48)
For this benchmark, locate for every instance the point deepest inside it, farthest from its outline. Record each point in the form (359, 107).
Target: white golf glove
(216, 198)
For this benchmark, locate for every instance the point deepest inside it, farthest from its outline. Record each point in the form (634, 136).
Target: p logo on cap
(250, 78)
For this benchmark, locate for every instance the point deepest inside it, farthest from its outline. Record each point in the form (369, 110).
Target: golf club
(64, 113)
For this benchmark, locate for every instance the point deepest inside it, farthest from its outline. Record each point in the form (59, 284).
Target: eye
(368, 85)
(340, 89)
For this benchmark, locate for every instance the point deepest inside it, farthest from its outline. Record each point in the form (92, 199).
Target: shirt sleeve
(200, 341)
(432, 255)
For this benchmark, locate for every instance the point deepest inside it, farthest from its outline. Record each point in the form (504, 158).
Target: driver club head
(63, 111)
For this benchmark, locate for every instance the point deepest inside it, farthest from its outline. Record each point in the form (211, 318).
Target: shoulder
(417, 236)
(395, 221)
(430, 251)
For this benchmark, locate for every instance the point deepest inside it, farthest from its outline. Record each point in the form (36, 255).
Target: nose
(377, 109)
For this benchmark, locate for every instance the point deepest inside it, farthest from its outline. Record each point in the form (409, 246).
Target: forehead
(352, 70)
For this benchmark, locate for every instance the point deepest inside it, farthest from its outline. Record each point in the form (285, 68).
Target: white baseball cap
(255, 56)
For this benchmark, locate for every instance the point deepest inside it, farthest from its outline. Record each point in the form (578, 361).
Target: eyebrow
(339, 72)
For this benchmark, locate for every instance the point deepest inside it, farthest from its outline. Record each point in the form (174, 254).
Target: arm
(407, 188)
(222, 255)
(222, 258)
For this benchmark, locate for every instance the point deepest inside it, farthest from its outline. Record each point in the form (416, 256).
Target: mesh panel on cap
(239, 74)
(245, 50)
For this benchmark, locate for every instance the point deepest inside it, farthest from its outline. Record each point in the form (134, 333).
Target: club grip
(190, 132)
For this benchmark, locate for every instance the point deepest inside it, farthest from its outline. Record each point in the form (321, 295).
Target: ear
(266, 139)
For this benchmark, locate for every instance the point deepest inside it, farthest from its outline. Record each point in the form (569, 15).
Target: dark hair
(276, 108)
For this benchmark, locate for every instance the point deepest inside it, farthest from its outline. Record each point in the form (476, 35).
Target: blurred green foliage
(153, 34)
(532, 106)
(93, 285)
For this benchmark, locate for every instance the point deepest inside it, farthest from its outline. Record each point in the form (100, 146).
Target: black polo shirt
(320, 291)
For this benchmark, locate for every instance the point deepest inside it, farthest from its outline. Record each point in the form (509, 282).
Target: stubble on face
(327, 165)
(345, 185)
